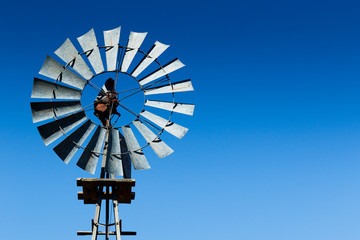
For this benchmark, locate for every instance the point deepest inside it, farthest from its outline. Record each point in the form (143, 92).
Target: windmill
(91, 128)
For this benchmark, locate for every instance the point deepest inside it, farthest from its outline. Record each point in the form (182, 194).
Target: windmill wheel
(87, 121)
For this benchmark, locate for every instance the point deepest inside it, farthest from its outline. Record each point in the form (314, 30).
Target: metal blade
(166, 69)
(136, 154)
(173, 128)
(58, 72)
(157, 49)
(111, 39)
(69, 146)
(113, 156)
(90, 46)
(53, 130)
(46, 110)
(90, 156)
(159, 147)
(45, 89)
(126, 162)
(183, 108)
(182, 86)
(133, 45)
(68, 53)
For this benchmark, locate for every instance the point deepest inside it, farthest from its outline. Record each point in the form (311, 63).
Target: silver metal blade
(153, 54)
(126, 162)
(172, 128)
(45, 89)
(182, 86)
(90, 46)
(113, 156)
(136, 154)
(56, 71)
(69, 146)
(68, 53)
(53, 130)
(166, 69)
(183, 108)
(46, 110)
(90, 156)
(133, 45)
(111, 39)
(159, 147)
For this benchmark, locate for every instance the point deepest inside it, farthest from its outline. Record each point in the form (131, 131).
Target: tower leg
(97, 216)
(117, 222)
(107, 214)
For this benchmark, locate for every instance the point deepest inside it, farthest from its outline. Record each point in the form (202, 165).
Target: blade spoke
(96, 87)
(161, 80)
(130, 95)
(132, 89)
(157, 129)
(146, 87)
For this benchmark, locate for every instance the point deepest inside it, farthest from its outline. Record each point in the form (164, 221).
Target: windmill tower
(94, 126)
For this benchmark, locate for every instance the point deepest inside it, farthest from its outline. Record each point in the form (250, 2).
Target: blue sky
(273, 147)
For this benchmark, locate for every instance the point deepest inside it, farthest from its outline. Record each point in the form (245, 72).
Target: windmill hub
(106, 103)
(119, 93)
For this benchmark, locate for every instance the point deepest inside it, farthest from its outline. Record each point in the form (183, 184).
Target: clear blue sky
(273, 150)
